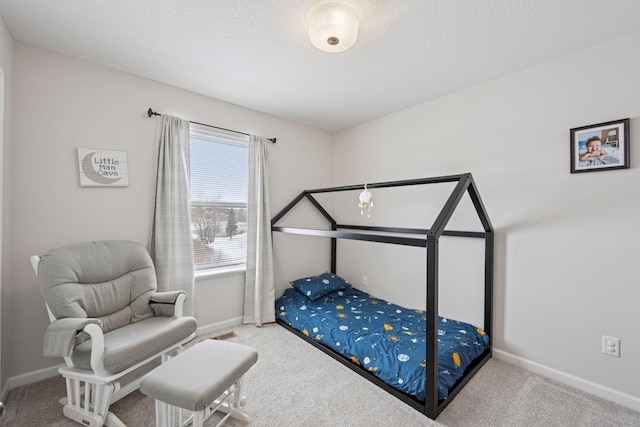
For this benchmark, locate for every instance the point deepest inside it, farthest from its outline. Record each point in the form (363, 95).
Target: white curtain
(259, 291)
(171, 242)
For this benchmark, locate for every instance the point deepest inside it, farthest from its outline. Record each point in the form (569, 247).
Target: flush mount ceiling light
(333, 27)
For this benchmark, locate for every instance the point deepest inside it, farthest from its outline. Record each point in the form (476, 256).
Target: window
(219, 175)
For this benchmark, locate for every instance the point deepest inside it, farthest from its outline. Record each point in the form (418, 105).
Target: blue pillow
(315, 287)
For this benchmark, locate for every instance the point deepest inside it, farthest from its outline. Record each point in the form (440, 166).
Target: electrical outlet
(364, 281)
(611, 346)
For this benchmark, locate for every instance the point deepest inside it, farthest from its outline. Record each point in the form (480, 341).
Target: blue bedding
(386, 339)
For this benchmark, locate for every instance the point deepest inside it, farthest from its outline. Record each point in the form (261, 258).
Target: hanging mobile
(366, 201)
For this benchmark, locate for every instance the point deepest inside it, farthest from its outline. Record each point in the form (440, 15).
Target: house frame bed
(431, 406)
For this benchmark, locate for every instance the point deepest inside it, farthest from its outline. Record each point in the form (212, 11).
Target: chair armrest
(60, 335)
(168, 303)
(97, 346)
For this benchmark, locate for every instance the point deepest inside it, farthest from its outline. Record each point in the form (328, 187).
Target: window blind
(219, 174)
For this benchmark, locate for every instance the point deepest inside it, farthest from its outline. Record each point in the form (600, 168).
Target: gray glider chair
(108, 322)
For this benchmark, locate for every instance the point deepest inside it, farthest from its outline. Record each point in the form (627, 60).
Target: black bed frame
(431, 406)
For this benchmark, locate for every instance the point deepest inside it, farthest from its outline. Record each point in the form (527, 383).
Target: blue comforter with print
(386, 339)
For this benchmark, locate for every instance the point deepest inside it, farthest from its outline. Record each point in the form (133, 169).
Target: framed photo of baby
(603, 146)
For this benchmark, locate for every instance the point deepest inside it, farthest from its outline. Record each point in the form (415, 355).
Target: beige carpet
(294, 384)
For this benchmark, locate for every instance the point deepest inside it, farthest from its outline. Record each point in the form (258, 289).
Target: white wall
(566, 244)
(6, 53)
(61, 103)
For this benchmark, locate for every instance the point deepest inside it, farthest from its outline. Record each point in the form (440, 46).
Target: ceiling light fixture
(333, 27)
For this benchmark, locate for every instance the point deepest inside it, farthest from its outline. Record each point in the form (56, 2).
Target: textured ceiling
(256, 53)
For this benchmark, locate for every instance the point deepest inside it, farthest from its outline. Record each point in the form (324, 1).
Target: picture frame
(602, 146)
(102, 168)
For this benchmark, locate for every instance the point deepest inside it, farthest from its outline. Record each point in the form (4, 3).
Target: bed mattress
(384, 338)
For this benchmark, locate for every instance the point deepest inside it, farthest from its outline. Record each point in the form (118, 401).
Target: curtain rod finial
(150, 113)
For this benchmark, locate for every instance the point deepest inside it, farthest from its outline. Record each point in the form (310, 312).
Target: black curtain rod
(152, 113)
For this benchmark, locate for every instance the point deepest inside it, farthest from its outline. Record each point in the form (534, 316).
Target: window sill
(219, 272)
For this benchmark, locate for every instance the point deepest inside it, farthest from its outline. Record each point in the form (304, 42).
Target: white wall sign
(103, 168)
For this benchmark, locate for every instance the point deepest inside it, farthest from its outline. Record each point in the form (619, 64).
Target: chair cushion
(131, 344)
(195, 378)
(108, 280)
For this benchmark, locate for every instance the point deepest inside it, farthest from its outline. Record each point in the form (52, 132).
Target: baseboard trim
(219, 327)
(599, 390)
(28, 378)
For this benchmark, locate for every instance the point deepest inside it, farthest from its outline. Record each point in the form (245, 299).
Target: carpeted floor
(294, 384)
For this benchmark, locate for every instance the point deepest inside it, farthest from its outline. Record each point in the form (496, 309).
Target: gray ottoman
(203, 379)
